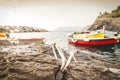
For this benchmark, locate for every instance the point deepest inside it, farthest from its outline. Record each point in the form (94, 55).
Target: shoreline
(37, 62)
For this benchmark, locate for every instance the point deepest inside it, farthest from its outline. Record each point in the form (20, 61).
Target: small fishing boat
(31, 40)
(4, 38)
(3, 35)
(93, 42)
(94, 39)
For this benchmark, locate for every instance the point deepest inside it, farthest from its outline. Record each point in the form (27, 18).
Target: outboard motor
(115, 33)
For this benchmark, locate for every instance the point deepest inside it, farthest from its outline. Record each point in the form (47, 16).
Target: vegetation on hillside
(114, 14)
(111, 21)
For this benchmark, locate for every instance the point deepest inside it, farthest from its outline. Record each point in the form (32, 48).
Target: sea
(110, 53)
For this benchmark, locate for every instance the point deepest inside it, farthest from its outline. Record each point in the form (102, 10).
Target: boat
(92, 39)
(93, 42)
(4, 39)
(31, 40)
(3, 35)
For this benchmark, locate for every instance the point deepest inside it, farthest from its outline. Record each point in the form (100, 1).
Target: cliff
(110, 20)
(111, 24)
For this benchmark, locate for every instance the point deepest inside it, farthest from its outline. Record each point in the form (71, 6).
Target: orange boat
(3, 35)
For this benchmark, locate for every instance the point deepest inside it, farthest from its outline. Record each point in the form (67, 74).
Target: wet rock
(5, 42)
(36, 62)
(33, 68)
(91, 67)
(3, 67)
(27, 63)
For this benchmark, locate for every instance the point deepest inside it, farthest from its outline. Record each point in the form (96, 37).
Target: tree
(118, 8)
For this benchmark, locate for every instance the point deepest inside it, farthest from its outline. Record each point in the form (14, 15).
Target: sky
(51, 14)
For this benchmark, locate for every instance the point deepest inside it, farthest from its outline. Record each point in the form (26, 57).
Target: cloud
(51, 14)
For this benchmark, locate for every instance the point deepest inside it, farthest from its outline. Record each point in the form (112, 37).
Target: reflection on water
(111, 52)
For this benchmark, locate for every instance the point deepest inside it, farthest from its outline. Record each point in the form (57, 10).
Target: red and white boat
(92, 39)
(93, 42)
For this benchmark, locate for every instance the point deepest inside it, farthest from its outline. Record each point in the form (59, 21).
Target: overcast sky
(50, 14)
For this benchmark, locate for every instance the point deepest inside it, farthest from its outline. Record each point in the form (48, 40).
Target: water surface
(111, 53)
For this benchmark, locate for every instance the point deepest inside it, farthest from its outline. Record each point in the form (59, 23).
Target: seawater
(111, 53)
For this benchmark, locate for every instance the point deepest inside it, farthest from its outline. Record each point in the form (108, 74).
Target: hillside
(110, 20)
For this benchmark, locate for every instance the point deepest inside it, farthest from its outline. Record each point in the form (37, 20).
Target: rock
(42, 67)
(18, 29)
(111, 24)
(36, 62)
(27, 65)
(3, 67)
(5, 42)
(110, 20)
(92, 68)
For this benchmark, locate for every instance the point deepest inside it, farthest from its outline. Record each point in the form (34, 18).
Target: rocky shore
(18, 29)
(37, 62)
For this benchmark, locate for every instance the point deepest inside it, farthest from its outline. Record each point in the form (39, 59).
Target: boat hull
(93, 42)
(32, 40)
